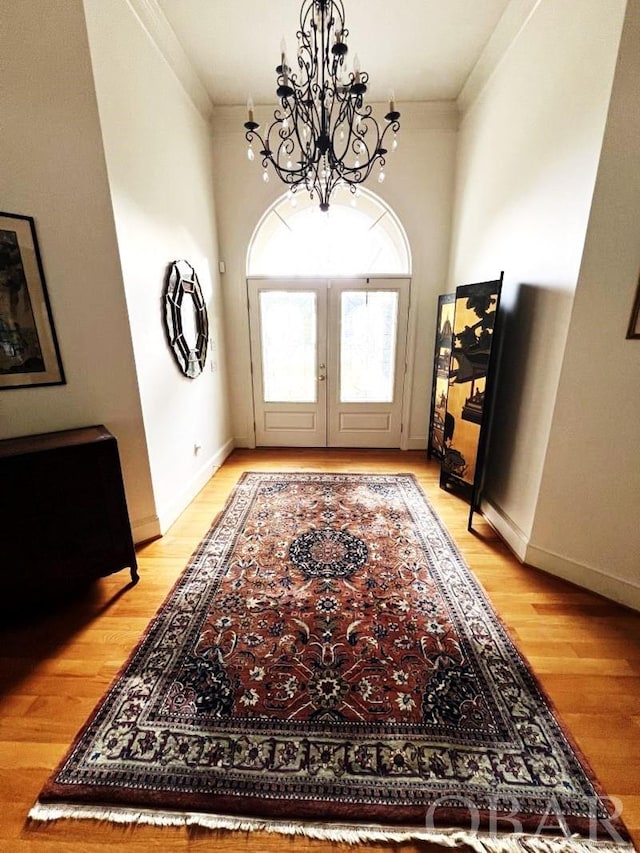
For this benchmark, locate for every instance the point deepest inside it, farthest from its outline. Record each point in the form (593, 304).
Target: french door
(328, 361)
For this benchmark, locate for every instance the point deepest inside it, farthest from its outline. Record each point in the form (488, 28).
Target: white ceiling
(422, 49)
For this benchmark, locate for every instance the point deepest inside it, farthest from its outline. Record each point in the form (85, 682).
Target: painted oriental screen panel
(476, 311)
(440, 389)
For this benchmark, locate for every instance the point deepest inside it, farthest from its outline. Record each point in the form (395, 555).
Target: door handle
(321, 378)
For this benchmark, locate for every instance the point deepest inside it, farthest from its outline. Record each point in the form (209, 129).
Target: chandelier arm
(252, 134)
(303, 147)
(306, 47)
(266, 153)
(304, 100)
(265, 142)
(282, 162)
(283, 149)
(346, 115)
(356, 142)
(305, 64)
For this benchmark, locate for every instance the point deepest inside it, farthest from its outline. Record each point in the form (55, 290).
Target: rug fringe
(344, 833)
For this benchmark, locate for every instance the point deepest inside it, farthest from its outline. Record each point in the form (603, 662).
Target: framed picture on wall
(29, 353)
(634, 323)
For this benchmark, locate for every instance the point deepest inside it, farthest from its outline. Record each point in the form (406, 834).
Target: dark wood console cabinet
(63, 514)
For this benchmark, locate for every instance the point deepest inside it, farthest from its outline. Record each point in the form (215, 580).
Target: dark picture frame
(29, 352)
(634, 321)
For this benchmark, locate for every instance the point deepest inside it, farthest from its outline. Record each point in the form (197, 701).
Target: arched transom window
(359, 235)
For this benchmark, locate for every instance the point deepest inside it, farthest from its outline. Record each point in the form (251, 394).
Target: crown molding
(162, 35)
(509, 27)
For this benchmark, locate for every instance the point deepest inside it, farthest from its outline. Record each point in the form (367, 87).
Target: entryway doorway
(329, 299)
(328, 360)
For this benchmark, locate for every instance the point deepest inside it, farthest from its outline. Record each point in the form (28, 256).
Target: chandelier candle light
(323, 135)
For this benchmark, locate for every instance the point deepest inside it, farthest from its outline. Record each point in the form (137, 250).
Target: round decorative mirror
(186, 319)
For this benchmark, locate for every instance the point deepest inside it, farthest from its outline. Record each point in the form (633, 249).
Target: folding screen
(470, 389)
(440, 387)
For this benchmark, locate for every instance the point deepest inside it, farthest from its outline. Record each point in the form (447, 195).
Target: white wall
(419, 187)
(52, 168)
(158, 153)
(586, 526)
(528, 154)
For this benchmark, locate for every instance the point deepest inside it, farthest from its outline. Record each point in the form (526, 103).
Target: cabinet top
(53, 440)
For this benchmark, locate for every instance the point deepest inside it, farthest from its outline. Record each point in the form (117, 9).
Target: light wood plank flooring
(584, 649)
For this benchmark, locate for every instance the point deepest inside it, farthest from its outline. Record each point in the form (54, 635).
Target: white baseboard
(168, 514)
(246, 442)
(144, 529)
(416, 444)
(587, 577)
(615, 589)
(507, 528)
(221, 455)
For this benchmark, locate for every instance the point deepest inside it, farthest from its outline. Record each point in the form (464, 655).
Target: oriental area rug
(328, 665)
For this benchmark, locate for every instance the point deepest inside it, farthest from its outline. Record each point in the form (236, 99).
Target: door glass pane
(368, 321)
(288, 335)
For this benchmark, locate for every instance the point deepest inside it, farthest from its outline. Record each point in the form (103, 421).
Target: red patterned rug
(327, 664)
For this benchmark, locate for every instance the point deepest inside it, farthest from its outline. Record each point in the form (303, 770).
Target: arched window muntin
(360, 235)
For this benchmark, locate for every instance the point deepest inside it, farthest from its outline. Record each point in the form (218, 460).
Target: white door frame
(311, 282)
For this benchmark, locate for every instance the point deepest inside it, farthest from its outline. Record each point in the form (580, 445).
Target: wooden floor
(585, 651)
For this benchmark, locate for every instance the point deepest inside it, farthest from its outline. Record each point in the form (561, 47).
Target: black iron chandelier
(323, 134)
